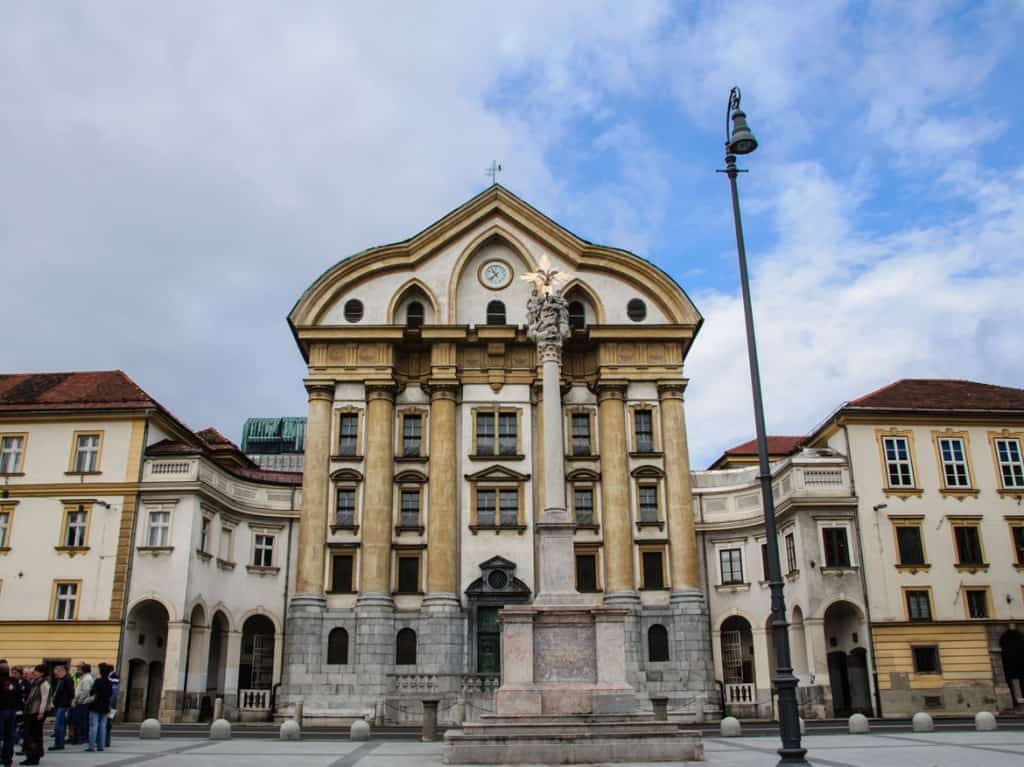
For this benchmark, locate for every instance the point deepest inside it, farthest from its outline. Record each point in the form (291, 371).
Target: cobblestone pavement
(936, 749)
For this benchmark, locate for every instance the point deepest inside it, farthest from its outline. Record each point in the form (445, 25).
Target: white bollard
(859, 725)
(730, 727)
(985, 721)
(220, 730)
(803, 726)
(150, 730)
(922, 722)
(360, 730)
(290, 730)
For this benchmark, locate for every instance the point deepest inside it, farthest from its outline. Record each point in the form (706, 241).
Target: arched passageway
(737, 643)
(144, 648)
(845, 638)
(1011, 645)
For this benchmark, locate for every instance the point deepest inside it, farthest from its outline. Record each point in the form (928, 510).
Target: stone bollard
(730, 727)
(360, 730)
(660, 706)
(985, 721)
(859, 725)
(698, 713)
(150, 730)
(803, 726)
(290, 730)
(922, 722)
(297, 713)
(218, 709)
(220, 730)
(428, 730)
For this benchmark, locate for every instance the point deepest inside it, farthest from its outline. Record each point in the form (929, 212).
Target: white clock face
(496, 274)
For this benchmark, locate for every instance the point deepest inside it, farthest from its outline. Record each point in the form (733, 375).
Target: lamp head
(742, 140)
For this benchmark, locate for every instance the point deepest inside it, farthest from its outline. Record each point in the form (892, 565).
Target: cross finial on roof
(493, 171)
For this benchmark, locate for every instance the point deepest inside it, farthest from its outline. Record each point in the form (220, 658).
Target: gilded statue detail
(547, 312)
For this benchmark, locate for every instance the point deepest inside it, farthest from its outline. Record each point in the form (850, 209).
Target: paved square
(935, 749)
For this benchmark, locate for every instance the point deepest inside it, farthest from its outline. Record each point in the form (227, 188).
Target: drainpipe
(864, 580)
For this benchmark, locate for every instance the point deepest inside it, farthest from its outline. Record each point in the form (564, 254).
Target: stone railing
(270, 498)
(254, 700)
(415, 683)
(176, 470)
(739, 694)
(480, 683)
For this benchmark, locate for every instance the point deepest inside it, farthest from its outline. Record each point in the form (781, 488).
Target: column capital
(376, 390)
(443, 390)
(549, 351)
(611, 390)
(319, 389)
(672, 389)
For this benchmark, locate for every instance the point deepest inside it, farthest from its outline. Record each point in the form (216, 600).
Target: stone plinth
(563, 660)
(571, 740)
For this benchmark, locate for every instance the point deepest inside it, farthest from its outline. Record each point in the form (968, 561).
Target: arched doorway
(737, 642)
(217, 660)
(145, 639)
(798, 643)
(496, 587)
(845, 635)
(256, 664)
(1011, 644)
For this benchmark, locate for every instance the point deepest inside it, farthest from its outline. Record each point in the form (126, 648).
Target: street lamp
(742, 141)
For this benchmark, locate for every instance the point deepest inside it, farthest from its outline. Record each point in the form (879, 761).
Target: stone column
(442, 505)
(175, 657)
(231, 662)
(309, 576)
(198, 658)
(378, 495)
(619, 580)
(682, 533)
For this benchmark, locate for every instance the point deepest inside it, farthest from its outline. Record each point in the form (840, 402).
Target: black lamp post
(742, 141)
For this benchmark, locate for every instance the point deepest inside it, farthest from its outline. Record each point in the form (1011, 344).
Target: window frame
(55, 595)
(205, 528)
(647, 477)
(72, 507)
(968, 522)
(255, 547)
(792, 563)
(881, 435)
(226, 543)
(404, 416)
(1016, 524)
(351, 551)
(19, 464)
(832, 525)
(495, 302)
(348, 647)
(496, 413)
(994, 437)
(634, 442)
(589, 487)
(407, 554)
(339, 414)
(986, 591)
(938, 658)
(73, 461)
(653, 549)
(496, 487)
(736, 555)
(587, 550)
(403, 488)
(916, 521)
(150, 511)
(570, 445)
(927, 590)
(965, 445)
(7, 510)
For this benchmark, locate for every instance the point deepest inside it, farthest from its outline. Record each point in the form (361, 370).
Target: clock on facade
(495, 274)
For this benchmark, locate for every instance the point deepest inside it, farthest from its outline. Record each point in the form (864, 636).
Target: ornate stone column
(682, 533)
(620, 582)
(378, 495)
(309, 576)
(442, 508)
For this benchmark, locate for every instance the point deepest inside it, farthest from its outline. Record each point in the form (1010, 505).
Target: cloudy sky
(173, 175)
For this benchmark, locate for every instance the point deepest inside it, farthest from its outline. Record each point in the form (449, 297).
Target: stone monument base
(571, 740)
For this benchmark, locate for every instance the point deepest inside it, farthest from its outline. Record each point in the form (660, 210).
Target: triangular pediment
(497, 474)
(497, 563)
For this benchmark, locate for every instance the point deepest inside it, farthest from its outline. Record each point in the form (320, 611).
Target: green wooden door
(488, 641)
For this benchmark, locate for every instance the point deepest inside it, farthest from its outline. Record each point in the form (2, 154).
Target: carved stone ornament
(547, 318)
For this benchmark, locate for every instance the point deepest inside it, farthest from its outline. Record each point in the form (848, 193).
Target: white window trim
(272, 534)
(1000, 463)
(963, 463)
(909, 461)
(150, 528)
(736, 544)
(822, 525)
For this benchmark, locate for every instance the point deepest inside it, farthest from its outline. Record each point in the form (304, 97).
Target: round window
(498, 579)
(353, 310)
(636, 310)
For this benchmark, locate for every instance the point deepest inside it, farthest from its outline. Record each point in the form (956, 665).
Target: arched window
(414, 314)
(405, 648)
(636, 310)
(495, 313)
(353, 310)
(337, 646)
(657, 643)
(577, 315)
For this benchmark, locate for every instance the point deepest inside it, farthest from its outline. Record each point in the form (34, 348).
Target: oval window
(636, 310)
(353, 310)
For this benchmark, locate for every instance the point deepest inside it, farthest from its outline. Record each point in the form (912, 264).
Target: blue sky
(175, 176)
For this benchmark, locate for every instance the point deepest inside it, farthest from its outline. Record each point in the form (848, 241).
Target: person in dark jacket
(99, 707)
(115, 689)
(10, 701)
(36, 705)
(62, 692)
(18, 675)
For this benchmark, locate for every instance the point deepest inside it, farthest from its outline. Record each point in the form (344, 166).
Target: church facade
(423, 465)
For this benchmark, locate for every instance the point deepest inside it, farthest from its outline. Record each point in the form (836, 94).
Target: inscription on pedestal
(564, 653)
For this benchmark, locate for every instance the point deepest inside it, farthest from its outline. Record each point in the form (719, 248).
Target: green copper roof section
(274, 435)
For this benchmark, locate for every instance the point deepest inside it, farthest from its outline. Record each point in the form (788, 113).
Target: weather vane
(493, 171)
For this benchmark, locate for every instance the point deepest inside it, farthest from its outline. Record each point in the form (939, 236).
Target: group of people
(82, 705)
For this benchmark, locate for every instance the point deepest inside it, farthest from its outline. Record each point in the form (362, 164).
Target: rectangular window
(5, 526)
(654, 575)
(968, 545)
(509, 507)
(731, 562)
(11, 447)
(581, 434)
(954, 462)
(919, 607)
(263, 550)
(977, 602)
(348, 439)
(408, 575)
(586, 573)
(507, 441)
(74, 527)
(1016, 532)
(65, 605)
(87, 453)
(412, 435)
(341, 574)
(897, 461)
(345, 512)
(910, 545)
(486, 507)
(643, 425)
(227, 537)
(159, 528)
(410, 510)
(837, 547)
(791, 553)
(764, 561)
(926, 660)
(485, 433)
(583, 505)
(648, 496)
(1011, 467)
(204, 534)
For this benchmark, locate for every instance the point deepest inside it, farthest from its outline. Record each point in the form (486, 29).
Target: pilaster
(682, 535)
(375, 580)
(309, 576)
(443, 512)
(620, 582)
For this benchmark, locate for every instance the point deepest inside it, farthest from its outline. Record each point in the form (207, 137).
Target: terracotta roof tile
(91, 390)
(777, 445)
(941, 394)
